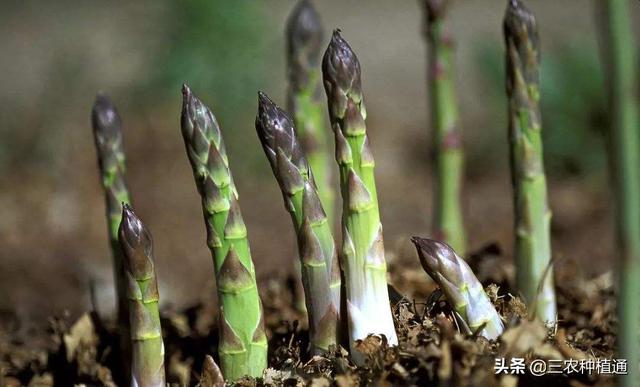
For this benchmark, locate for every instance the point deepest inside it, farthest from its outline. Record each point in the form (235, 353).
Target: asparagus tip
(340, 62)
(304, 22)
(436, 9)
(337, 40)
(192, 111)
(270, 116)
(271, 120)
(104, 116)
(432, 252)
(136, 241)
(132, 227)
(263, 99)
(187, 94)
(127, 209)
(518, 15)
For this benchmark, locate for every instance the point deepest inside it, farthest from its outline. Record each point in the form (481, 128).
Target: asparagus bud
(243, 343)
(532, 214)
(363, 260)
(211, 374)
(147, 366)
(460, 286)
(107, 131)
(448, 169)
(317, 250)
(304, 39)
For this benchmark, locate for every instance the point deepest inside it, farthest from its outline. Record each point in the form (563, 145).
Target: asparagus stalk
(304, 40)
(532, 214)
(461, 287)
(107, 131)
(147, 367)
(363, 258)
(211, 374)
(449, 161)
(620, 58)
(243, 343)
(317, 250)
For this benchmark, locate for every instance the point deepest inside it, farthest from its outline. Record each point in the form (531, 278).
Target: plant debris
(431, 347)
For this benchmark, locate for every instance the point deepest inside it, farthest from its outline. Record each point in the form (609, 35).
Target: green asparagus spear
(147, 367)
(532, 214)
(460, 286)
(107, 131)
(243, 343)
(317, 250)
(363, 257)
(449, 164)
(211, 374)
(620, 57)
(304, 40)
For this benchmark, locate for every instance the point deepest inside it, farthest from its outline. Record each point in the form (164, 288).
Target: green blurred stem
(243, 343)
(449, 160)
(107, 131)
(308, 116)
(305, 102)
(304, 34)
(620, 57)
(532, 215)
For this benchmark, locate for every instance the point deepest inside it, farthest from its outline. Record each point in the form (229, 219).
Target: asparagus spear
(532, 214)
(304, 39)
(211, 374)
(449, 164)
(460, 286)
(620, 57)
(107, 131)
(363, 260)
(317, 250)
(243, 343)
(147, 367)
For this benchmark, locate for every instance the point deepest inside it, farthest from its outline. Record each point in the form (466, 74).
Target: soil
(432, 351)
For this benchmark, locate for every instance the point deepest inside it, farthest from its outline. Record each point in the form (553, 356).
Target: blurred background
(55, 57)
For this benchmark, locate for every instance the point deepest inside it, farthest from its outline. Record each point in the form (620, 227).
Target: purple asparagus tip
(518, 16)
(271, 118)
(275, 129)
(136, 243)
(433, 254)
(304, 24)
(340, 64)
(105, 117)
